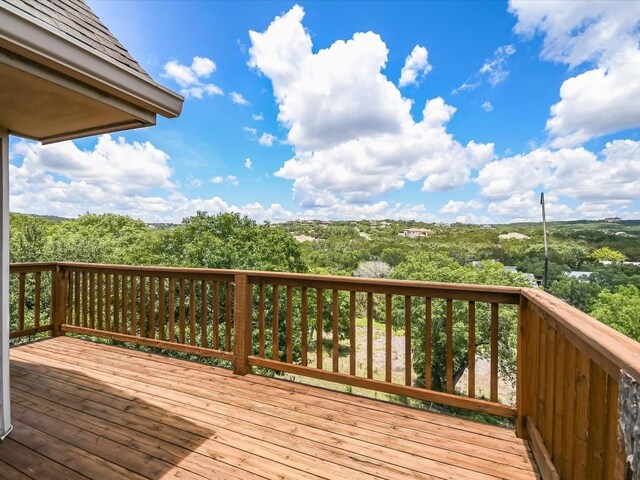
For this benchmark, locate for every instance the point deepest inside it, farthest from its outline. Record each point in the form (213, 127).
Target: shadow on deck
(85, 410)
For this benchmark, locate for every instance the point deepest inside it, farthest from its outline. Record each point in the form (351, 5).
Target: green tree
(607, 254)
(620, 309)
(575, 291)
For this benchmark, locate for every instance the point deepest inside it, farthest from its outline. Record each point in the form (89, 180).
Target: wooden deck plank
(7, 472)
(33, 464)
(138, 412)
(483, 449)
(393, 412)
(407, 455)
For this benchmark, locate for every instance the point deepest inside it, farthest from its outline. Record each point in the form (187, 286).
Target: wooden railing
(340, 329)
(568, 377)
(32, 301)
(331, 305)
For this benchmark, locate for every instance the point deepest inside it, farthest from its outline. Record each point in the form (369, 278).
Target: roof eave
(33, 39)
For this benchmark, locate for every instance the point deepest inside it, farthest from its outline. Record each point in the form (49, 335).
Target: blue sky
(436, 111)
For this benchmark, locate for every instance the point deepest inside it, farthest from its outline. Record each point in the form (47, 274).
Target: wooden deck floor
(84, 410)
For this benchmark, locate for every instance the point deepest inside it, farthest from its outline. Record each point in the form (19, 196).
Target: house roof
(74, 19)
(65, 75)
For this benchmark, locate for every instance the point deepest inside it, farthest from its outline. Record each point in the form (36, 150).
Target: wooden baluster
(597, 428)
(227, 315)
(494, 352)
(92, 300)
(125, 304)
(77, 299)
(216, 315)
(471, 356)
(408, 367)
(116, 302)
(335, 353)
(319, 328)
(84, 300)
(369, 335)
(275, 349)
(569, 399)
(289, 324)
(449, 348)
(70, 289)
(558, 408)
(388, 339)
(152, 307)
(305, 326)
(550, 393)
(352, 333)
(134, 296)
(192, 312)
(581, 420)
(107, 301)
(171, 334)
(427, 343)
(542, 377)
(611, 450)
(143, 307)
(100, 302)
(38, 300)
(21, 301)
(161, 308)
(182, 311)
(261, 320)
(204, 314)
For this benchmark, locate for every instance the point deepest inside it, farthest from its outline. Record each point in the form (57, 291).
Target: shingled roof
(74, 19)
(65, 75)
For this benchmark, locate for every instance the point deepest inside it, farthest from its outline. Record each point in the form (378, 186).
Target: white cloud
(610, 179)
(230, 179)
(472, 218)
(266, 139)
(247, 163)
(494, 70)
(135, 179)
(191, 78)
(203, 67)
(258, 117)
(238, 99)
(455, 206)
(605, 35)
(250, 130)
(487, 106)
(416, 67)
(352, 131)
(525, 207)
(193, 181)
(233, 180)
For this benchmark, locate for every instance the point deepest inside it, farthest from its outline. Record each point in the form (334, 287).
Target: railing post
(58, 300)
(242, 325)
(522, 369)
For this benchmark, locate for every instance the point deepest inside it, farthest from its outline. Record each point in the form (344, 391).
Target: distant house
(513, 236)
(612, 220)
(415, 232)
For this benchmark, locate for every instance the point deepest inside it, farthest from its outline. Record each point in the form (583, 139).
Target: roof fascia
(35, 40)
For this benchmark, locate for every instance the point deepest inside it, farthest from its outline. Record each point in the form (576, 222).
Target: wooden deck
(84, 410)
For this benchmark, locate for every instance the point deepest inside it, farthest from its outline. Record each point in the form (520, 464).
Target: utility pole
(546, 246)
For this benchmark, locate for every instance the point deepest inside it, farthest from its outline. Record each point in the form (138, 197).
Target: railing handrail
(610, 349)
(507, 295)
